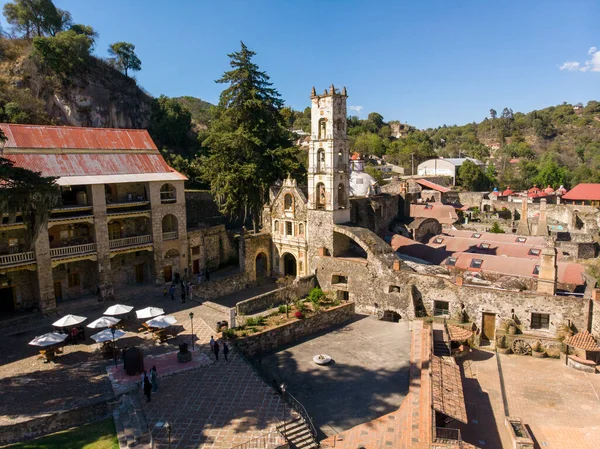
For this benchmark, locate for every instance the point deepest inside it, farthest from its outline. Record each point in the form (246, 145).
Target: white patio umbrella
(49, 339)
(161, 322)
(149, 312)
(105, 321)
(118, 309)
(106, 335)
(69, 320)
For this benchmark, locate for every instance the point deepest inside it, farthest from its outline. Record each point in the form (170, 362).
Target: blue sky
(427, 63)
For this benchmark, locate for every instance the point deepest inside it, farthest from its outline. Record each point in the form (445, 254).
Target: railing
(171, 235)
(73, 250)
(271, 440)
(168, 197)
(18, 258)
(130, 241)
(297, 405)
(446, 435)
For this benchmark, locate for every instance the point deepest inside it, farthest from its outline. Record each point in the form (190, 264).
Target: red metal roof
(68, 137)
(432, 185)
(443, 213)
(583, 192)
(61, 151)
(484, 246)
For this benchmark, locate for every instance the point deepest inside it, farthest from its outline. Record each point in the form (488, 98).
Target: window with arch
(168, 194)
(322, 128)
(341, 196)
(320, 196)
(276, 227)
(320, 160)
(288, 202)
(169, 227)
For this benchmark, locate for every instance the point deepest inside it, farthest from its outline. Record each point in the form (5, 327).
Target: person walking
(182, 294)
(147, 388)
(212, 343)
(216, 350)
(225, 350)
(154, 379)
(207, 275)
(172, 291)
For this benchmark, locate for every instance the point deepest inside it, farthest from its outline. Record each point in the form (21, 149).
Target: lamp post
(112, 331)
(283, 387)
(192, 322)
(167, 427)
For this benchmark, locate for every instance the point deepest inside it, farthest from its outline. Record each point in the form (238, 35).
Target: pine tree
(249, 145)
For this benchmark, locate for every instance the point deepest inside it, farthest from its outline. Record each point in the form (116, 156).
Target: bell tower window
(322, 128)
(320, 160)
(320, 196)
(341, 197)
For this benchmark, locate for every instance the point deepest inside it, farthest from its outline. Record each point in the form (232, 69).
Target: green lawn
(98, 435)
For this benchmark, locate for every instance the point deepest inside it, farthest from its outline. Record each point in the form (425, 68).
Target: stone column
(542, 227)
(523, 227)
(105, 282)
(156, 223)
(44, 270)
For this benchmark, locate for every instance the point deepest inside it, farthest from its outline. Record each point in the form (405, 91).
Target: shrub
(300, 306)
(283, 308)
(316, 295)
(299, 314)
(65, 53)
(229, 334)
(261, 321)
(251, 322)
(496, 229)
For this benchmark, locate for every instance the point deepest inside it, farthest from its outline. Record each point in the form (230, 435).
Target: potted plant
(538, 350)
(502, 345)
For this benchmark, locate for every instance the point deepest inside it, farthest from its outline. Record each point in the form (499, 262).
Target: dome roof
(549, 190)
(507, 192)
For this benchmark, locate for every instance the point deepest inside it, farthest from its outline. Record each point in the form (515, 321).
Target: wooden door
(196, 266)
(168, 273)
(489, 326)
(58, 291)
(139, 273)
(7, 300)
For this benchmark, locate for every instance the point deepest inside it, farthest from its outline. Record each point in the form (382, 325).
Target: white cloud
(355, 108)
(570, 66)
(590, 65)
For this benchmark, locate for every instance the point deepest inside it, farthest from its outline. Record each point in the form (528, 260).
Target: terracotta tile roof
(583, 340)
(492, 237)
(484, 246)
(61, 151)
(458, 333)
(432, 185)
(583, 192)
(448, 397)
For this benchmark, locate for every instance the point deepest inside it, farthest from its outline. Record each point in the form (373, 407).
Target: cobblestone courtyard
(367, 378)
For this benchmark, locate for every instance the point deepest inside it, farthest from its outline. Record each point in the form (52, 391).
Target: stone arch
(320, 160)
(290, 265)
(261, 265)
(288, 202)
(487, 208)
(322, 128)
(172, 253)
(320, 196)
(168, 193)
(170, 226)
(341, 195)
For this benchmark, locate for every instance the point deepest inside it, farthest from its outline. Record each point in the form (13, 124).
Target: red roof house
(583, 194)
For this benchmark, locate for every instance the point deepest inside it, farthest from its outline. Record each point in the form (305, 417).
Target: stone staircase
(297, 434)
(131, 424)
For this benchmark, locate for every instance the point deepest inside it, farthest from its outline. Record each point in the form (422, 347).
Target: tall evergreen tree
(249, 145)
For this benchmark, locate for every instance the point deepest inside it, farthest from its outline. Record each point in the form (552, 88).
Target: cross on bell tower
(328, 171)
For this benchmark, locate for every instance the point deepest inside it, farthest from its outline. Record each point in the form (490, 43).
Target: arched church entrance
(289, 265)
(261, 265)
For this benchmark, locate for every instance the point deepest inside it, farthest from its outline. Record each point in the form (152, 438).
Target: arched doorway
(261, 265)
(289, 265)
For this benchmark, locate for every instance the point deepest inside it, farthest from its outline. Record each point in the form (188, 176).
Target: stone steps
(130, 422)
(298, 434)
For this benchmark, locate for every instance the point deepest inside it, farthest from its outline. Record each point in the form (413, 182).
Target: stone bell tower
(328, 170)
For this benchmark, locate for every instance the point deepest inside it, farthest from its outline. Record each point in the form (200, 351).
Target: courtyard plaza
(30, 388)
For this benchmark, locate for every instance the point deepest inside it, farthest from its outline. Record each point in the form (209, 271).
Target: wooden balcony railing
(130, 241)
(74, 250)
(17, 259)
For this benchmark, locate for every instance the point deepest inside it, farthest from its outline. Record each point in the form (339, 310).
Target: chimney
(542, 227)
(523, 227)
(547, 275)
(460, 280)
(397, 265)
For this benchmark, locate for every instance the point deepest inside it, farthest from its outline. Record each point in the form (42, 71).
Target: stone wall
(123, 267)
(221, 287)
(44, 425)
(271, 339)
(201, 209)
(376, 287)
(251, 245)
(376, 212)
(272, 299)
(24, 286)
(213, 247)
